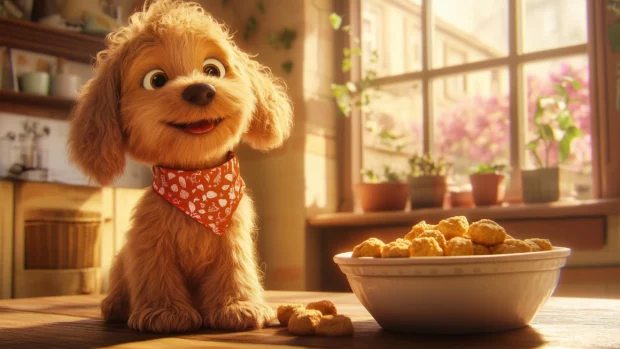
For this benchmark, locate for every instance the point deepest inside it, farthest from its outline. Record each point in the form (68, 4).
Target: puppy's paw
(165, 320)
(114, 309)
(238, 316)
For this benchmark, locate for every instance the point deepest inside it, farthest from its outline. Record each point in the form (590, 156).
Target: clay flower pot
(427, 191)
(541, 185)
(488, 188)
(386, 196)
(461, 198)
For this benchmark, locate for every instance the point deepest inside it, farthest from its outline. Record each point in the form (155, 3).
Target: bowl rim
(557, 252)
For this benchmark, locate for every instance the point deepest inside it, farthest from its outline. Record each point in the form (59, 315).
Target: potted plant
(488, 184)
(555, 130)
(427, 181)
(386, 192)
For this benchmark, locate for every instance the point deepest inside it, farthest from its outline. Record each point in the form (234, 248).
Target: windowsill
(572, 208)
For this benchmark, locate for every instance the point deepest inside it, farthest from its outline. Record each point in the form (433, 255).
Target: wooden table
(75, 322)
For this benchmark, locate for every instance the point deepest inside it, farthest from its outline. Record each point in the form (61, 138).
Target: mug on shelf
(65, 85)
(35, 83)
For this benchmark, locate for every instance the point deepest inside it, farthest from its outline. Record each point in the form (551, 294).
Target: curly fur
(173, 274)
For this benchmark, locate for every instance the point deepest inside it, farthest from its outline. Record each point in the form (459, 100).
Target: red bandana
(208, 196)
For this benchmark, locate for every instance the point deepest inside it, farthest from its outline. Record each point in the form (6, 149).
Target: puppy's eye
(154, 79)
(213, 67)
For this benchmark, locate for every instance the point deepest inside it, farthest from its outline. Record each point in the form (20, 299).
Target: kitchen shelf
(35, 105)
(36, 37)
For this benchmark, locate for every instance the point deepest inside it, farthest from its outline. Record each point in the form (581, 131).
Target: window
(458, 102)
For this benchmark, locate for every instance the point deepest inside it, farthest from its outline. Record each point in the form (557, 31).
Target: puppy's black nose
(200, 94)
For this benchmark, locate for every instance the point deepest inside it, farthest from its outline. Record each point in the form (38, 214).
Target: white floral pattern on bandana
(209, 196)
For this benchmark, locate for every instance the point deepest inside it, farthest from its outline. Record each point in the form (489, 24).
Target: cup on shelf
(36, 83)
(65, 85)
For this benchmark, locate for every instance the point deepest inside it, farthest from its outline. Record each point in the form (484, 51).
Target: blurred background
(417, 107)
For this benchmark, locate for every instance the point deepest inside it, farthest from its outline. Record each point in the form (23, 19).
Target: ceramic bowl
(454, 295)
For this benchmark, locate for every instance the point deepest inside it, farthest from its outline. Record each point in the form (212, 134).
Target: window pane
(551, 24)
(393, 126)
(471, 118)
(469, 31)
(392, 30)
(542, 82)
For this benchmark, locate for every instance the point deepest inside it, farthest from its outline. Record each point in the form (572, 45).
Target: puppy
(173, 91)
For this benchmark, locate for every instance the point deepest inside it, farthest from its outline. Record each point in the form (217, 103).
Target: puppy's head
(172, 89)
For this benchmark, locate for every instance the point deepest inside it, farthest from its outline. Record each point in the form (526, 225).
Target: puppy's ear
(273, 118)
(95, 138)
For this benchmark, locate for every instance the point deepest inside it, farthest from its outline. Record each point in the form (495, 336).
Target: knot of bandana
(209, 196)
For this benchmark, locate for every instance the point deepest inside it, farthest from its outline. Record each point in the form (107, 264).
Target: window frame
(514, 61)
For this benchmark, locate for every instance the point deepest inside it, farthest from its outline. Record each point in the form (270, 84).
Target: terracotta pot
(488, 188)
(382, 196)
(427, 191)
(541, 185)
(461, 199)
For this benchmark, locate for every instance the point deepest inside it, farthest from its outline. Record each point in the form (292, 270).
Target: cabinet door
(6, 239)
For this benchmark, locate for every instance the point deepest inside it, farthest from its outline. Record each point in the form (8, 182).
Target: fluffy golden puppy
(173, 90)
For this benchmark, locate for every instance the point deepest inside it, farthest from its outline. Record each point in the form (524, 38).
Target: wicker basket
(62, 239)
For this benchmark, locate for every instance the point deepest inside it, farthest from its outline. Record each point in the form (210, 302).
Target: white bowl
(468, 294)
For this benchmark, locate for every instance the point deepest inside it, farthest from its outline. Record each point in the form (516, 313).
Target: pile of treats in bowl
(451, 237)
(317, 318)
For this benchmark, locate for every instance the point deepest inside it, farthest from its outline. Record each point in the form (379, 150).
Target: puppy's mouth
(199, 127)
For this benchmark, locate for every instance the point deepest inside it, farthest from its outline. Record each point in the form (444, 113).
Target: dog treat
(544, 244)
(418, 229)
(435, 234)
(285, 311)
(481, 250)
(369, 248)
(304, 322)
(425, 247)
(396, 249)
(453, 236)
(533, 245)
(334, 326)
(486, 232)
(453, 227)
(459, 246)
(325, 307)
(512, 246)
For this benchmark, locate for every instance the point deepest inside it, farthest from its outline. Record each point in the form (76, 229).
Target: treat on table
(303, 322)
(486, 232)
(396, 249)
(369, 248)
(325, 307)
(425, 247)
(285, 311)
(334, 326)
(459, 246)
(453, 227)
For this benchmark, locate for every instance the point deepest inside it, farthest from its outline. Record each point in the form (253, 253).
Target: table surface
(75, 322)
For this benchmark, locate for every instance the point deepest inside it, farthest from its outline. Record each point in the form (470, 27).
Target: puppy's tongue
(200, 127)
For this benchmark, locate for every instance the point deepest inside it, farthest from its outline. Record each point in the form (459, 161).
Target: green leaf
(346, 65)
(565, 119)
(287, 66)
(346, 51)
(546, 132)
(346, 28)
(250, 28)
(260, 6)
(356, 51)
(576, 84)
(335, 20)
(566, 141)
(532, 145)
(540, 111)
(561, 90)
